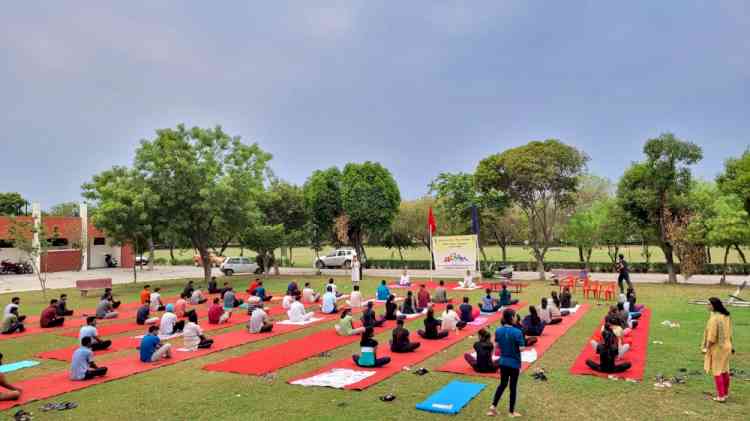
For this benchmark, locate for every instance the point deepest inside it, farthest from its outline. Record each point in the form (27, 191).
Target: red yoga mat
(58, 383)
(399, 360)
(66, 354)
(550, 335)
(637, 355)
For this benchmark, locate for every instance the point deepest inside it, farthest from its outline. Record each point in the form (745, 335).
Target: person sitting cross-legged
(169, 324)
(546, 313)
(423, 298)
(368, 351)
(481, 361)
(355, 298)
(382, 293)
(216, 313)
(468, 281)
(532, 324)
(82, 366)
(12, 323)
(441, 294)
(89, 331)
(297, 313)
(193, 337)
(528, 341)
(260, 292)
(467, 312)
(400, 339)
(329, 301)
(369, 318)
(391, 308)
(108, 295)
(259, 321)
(49, 317)
(432, 327)
(409, 306)
(309, 295)
(213, 286)
(608, 352)
(62, 306)
(155, 301)
(142, 315)
(450, 319)
(105, 309)
(489, 304)
(13, 392)
(230, 299)
(345, 326)
(197, 296)
(151, 348)
(505, 297)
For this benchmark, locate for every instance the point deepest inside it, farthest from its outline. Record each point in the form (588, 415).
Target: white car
(234, 265)
(335, 259)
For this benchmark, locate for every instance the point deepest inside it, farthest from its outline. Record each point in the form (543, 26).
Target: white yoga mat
(288, 322)
(337, 378)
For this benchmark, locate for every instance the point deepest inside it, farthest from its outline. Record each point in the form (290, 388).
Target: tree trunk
(484, 255)
(150, 253)
(172, 260)
(669, 258)
(207, 263)
(724, 274)
(275, 265)
(580, 254)
(742, 255)
(224, 246)
(135, 273)
(291, 261)
(505, 255)
(539, 256)
(401, 255)
(587, 266)
(708, 254)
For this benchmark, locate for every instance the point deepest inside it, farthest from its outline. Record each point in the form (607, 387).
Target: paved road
(12, 283)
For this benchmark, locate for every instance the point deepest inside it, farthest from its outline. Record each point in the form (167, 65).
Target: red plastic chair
(609, 291)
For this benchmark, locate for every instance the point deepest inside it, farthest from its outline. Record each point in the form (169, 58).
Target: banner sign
(455, 252)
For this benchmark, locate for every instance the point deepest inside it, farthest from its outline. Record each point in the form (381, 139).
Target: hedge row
(526, 266)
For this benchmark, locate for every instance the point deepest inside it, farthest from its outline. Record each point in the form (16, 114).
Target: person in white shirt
(14, 303)
(329, 301)
(197, 297)
(155, 301)
(355, 298)
(287, 302)
(333, 288)
(169, 324)
(309, 295)
(355, 270)
(450, 319)
(193, 337)
(297, 312)
(468, 281)
(259, 321)
(89, 331)
(405, 281)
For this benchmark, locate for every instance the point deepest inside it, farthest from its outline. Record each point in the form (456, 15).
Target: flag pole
(432, 256)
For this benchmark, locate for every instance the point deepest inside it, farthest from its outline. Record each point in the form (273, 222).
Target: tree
(370, 199)
(728, 225)
(64, 209)
(505, 227)
(586, 227)
(264, 240)
(541, 179)
(322, 193)
(123, 206)
(12, 204)
(736, 178)
(654, 192)
(22, 234)
(205, 180)
(284, 204)
(591, 188)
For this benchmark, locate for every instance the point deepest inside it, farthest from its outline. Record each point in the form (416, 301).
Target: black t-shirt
(390, 310)
(484, 356)
(400, 338)
(368, 318)
(141, 315)
(623, 266)
(431, 327)
(369, 342)
(465, 309)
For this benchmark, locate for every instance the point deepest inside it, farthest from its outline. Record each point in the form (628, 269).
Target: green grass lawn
(303, 257)
(185, 392)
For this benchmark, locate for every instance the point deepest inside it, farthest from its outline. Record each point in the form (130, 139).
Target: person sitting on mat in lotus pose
(614, 325)
(197, 296)
(254, 302)
(213, 286)
(216, 313)
(260, 292)
(11, 323)
(423, 298)
(82, 366)
(383, 293)
(468, 282)
(141, 316)
(192, 335)
(450, 319)
(62, 306)
(89, 331)
(230, 299)
(510, 341)
(297, 312)
(532, 324)
(405, 280)
(155, 300)
(105, 310)
(566, 299)
(467, 312)
(309, 295)
(13, 392)
(409, 306)
(332, 285)
(188, 290)
(151, 348)
(369, 318)
(489, 304)
(368, 356)
(355, 298)
(15, 302)
(169, 324)
(556, 304)
(293, 289)
(528, 341)
(345, 326)
(441, 294)
(49, 316)
(630, 318)
(481, 359)
(400, 339)
(329, 301)
(432, 327)
(180, 306)
(287, 301)
(108, 295)
(608, 352)
(253, 286)
(631, 299)
(545, 313)
(259, 321)
(505, 297)
(391, 308)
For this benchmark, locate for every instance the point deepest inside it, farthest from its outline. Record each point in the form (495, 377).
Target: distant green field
(303, 257)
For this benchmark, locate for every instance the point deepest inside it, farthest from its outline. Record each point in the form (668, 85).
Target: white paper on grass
(287, 322)
(572, 309)
(529, 355)
(337, 378)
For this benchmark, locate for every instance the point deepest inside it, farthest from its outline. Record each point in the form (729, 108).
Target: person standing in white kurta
(355, 270)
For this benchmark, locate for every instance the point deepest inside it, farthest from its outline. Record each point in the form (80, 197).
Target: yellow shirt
(717, 344)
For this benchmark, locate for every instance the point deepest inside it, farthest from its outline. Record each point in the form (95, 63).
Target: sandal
(492, 412)
(718, 399)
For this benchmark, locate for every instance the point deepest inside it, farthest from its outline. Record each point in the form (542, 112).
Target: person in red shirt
(216, 313)
(49, 316)
(146, 294)
(253, 286)
(423, 298)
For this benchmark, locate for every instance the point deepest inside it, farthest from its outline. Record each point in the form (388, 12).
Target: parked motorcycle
(6, 266)
(110, 261)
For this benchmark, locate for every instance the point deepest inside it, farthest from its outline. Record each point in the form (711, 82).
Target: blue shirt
(510, 340)
(383, 292)
(329, 302)
(82, 358)
(260, 292)
(229, 299)
(148, 347)
(488, 304)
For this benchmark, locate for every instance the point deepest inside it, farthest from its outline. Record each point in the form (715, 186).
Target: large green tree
(736, 178)
(728, 225)
(541, 178)
(64, 209)
(284, 204)
(654, 192)
(370, 199)
(322, 193)
(12, 204)
(206, 182)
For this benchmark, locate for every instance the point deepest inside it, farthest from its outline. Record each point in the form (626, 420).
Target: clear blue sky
(422, 87)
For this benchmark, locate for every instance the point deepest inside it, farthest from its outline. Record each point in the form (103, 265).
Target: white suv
(234, 265)
(337, 258)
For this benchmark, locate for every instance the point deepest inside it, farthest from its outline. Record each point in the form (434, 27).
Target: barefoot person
(83, 367)
(468, 282)
(143, 313)
(11, 392)
(368, 351)
(717, 347)
(481, 360)
(89, 331)
(49, 316)
(345, 326)
(510, 341)
(12, 323)
(151, 349)
(400, 339)
(297, 313)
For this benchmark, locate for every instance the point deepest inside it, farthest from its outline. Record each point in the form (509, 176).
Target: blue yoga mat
(7, 368)
(451, 398)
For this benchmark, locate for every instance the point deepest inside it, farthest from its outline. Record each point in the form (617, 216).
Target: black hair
(345, 312)
(216, 300)
(53, 301)
(90, 319)
(718, 306)
(367, 334)
(508, 315)
(399, 322)
(192, 317)
(63, 296)
(152, 329)
(86, 341)
(442, 282)
(382, 282)
(14, 299)
(534, 315)
(449, 307)
(356, 287)
(466, 299)
(146, 286)
(544, 303)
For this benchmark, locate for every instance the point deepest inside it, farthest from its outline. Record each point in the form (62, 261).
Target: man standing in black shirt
(622, 267)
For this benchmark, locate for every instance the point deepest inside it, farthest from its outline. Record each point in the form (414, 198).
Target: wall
(127, 257)
(61, 260)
